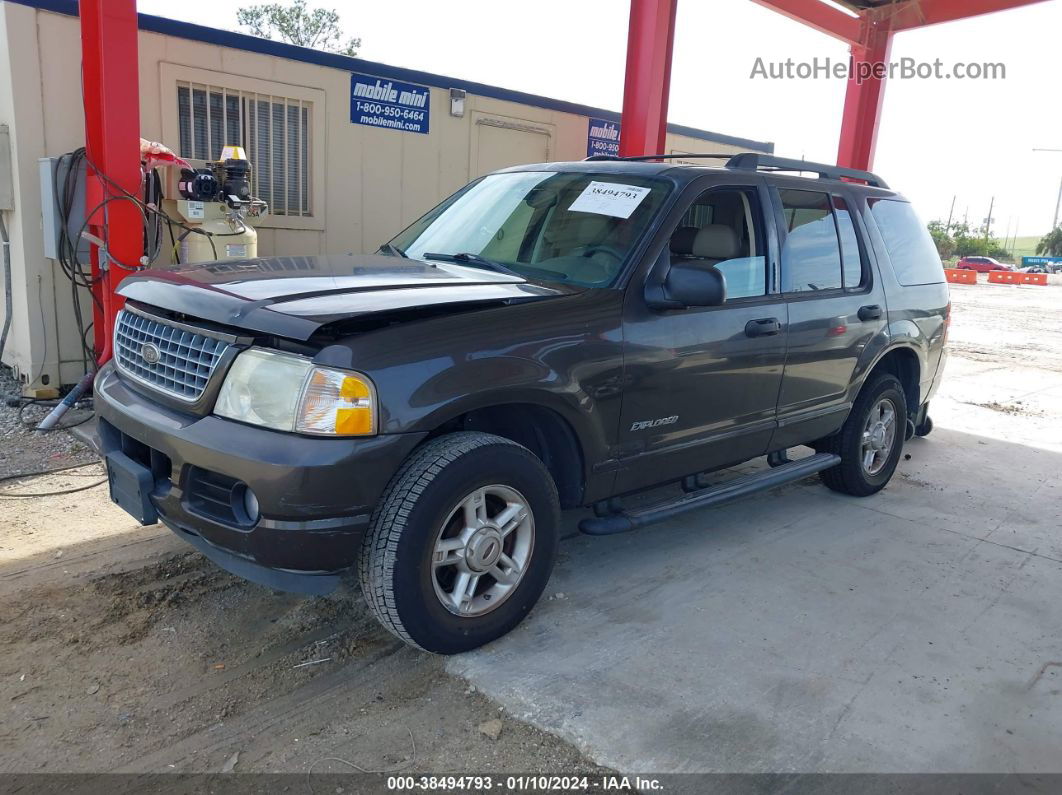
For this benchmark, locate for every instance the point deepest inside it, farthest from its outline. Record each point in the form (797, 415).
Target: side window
(914, 257)
(723, 229)
(811, 255)
(697, 215)
(851, 260)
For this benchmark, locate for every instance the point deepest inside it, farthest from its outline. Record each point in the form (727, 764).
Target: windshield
(566, 227)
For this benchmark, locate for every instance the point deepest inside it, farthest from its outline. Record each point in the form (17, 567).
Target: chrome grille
(186, 359)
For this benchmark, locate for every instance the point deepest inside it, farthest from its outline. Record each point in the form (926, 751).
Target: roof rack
(641, 158)
(755, 161)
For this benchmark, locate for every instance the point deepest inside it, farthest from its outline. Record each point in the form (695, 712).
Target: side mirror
(687, 285)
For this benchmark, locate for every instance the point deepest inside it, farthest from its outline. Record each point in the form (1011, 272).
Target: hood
(296, 296)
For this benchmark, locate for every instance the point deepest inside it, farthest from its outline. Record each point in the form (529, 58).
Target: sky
(940, 139)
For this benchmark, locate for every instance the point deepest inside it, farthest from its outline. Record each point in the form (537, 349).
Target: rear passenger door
(835, 305)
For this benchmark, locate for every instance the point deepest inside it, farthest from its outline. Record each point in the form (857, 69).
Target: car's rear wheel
(462, 543)
(871, 440)
(925, 427)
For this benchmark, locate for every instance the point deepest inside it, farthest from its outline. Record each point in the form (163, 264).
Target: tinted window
(851, 261)
(811, 255)
(911, 250)
(722, 230)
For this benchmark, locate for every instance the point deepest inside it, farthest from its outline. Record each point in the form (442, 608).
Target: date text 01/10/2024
(530, 783)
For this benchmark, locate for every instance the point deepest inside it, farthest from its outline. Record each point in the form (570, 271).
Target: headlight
(290, 393)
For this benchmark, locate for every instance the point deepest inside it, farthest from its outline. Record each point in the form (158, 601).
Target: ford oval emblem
(151, 353)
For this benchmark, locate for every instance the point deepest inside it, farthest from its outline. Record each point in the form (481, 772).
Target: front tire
(462, 543)
(871, 440)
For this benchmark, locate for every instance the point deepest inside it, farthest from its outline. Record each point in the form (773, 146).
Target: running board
(623, 521)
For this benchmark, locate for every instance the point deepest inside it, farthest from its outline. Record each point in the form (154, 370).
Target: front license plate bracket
(131, 485)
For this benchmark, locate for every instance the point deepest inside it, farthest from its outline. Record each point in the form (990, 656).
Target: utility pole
(988, 220)
(1058, 202)
(951, 212)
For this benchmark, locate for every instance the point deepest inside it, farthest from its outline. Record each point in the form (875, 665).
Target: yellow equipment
(216, 203)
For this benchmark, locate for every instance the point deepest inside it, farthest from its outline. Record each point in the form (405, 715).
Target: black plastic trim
(715, 495)
(754, 161)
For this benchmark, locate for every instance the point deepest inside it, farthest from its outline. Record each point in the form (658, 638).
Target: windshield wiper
(466, 258)
(394, 250)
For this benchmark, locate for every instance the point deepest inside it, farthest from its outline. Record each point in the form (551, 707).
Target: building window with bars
(274, 131)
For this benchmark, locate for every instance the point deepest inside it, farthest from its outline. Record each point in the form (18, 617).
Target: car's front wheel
(462, 543)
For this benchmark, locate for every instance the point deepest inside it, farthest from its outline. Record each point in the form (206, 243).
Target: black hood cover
(295, 296)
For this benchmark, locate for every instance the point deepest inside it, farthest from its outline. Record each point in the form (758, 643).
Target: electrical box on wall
(56, 182)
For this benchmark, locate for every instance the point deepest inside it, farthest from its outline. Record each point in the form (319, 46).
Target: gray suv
(551, 336)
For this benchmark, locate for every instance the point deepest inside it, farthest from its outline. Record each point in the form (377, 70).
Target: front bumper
(315, 494)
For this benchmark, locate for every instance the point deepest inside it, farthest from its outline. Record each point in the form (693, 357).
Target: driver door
(701, 384)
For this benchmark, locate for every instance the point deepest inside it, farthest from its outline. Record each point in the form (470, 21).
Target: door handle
(871, 312)
(764, 327)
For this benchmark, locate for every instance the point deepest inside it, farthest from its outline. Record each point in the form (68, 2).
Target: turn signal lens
(336, 402)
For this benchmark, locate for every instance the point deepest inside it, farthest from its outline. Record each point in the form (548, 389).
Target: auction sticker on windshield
(609, 198)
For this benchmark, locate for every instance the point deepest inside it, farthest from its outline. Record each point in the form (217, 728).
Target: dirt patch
(179, 666)
(1007, 324)
(1017, 407)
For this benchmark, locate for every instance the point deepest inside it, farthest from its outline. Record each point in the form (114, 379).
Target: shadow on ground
(804, 631)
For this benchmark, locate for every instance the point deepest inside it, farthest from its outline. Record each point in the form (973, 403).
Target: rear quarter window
(914, 257)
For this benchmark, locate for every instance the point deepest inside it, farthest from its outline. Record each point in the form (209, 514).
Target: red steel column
(110, 70)
(650, 40)
(862, 101)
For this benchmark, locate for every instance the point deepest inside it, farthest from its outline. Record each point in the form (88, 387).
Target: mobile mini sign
(389, 103)
(602, 137)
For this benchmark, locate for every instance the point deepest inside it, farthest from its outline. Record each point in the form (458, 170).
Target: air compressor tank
(223, 233)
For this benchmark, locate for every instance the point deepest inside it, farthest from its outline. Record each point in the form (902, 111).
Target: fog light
(250, 504)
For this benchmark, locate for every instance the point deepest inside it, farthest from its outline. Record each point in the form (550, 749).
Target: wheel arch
(541, 429)
(903, 362)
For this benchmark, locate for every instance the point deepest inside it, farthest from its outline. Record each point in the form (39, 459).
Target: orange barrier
(957, 276)
(1034, 278)
(1005, 277)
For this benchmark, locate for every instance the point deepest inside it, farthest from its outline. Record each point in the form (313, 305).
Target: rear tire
(925, 427)
(869, 450)
(462, 543)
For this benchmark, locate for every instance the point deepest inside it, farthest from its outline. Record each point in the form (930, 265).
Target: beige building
(335, 181)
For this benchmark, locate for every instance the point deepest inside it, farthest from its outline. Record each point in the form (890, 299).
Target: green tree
(296, 24)
(942, 238)
(968, 242)
(1050, 245)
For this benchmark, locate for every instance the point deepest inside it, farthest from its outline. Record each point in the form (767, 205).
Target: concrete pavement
(919, 630)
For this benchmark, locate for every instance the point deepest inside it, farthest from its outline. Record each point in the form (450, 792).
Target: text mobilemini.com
(903, 69)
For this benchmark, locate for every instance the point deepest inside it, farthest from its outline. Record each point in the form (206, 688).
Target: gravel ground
(24, 450)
